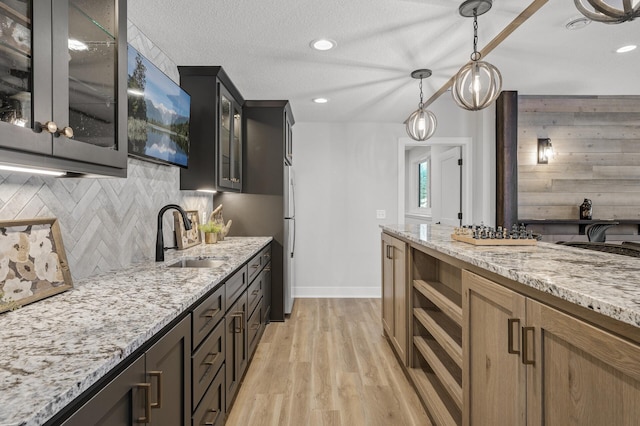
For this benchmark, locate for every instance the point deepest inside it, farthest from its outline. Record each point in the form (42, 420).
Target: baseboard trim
(337, 292)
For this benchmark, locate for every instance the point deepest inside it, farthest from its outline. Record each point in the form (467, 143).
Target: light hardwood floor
(329, 364)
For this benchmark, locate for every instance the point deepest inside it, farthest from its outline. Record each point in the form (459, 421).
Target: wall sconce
(545, 151)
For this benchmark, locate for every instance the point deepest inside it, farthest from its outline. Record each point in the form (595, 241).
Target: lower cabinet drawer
(211, 410)
(235, 285)
(207, 315)
(254, 328)
(255, 291)
(206, 361)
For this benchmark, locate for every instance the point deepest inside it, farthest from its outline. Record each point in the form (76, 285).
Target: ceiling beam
(513, 25)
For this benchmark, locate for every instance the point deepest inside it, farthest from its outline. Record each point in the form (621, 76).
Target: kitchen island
(54, 350)
(512, 334)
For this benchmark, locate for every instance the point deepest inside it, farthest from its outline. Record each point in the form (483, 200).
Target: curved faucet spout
(159, 235)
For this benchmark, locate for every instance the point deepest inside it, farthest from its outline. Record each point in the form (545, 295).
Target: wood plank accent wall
(596, 140)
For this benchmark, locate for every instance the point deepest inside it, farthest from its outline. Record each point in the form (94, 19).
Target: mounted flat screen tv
(158, 114)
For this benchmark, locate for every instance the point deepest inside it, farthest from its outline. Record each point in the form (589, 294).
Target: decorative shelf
(449, 374)
(447, 300)
(582, 223)
(448, 337)
(442, 409)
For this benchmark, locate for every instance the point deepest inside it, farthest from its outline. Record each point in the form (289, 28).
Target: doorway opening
(434, 181)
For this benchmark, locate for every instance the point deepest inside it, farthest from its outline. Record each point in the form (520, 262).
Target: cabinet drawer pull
(146, 387)
(213, 361)
(510, 323)
(255, 292)
(158, 375)
(255, 266)
(268, 269)
(210, 313)
(525, 346)
(211, 422)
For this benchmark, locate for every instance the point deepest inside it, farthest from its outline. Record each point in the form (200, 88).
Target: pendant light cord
(421, 104)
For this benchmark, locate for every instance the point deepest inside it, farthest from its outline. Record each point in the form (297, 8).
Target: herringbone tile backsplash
(106, 223)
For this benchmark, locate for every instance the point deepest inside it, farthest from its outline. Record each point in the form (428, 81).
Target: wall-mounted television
(158, 113)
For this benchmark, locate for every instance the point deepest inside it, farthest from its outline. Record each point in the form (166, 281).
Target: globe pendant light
(422, 123)
(478, 83)
(607, 12)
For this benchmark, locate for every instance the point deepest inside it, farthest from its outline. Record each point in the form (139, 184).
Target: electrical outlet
(381, 214)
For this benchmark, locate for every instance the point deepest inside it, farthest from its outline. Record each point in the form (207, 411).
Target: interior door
(450, 186)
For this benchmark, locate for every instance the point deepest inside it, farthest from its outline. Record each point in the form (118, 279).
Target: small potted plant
(211, 230)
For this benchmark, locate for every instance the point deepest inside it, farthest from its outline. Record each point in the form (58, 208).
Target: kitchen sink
(198, 263)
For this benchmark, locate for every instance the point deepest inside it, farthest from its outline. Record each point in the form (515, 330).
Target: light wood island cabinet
(486, 350)
(394, 294)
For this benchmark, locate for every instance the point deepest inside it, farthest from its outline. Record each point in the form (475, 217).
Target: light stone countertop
(54, 349)
(602, 282)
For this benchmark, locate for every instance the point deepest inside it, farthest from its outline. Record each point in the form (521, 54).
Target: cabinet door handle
(525, 346)
(510, 323)
(49, 127)
(146, 387)
(210, 313)
(213, 421)
(158, 375)
(66, 132)
(389, 254)
(235, 316)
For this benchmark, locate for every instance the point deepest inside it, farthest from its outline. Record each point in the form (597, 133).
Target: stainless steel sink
(198, 263)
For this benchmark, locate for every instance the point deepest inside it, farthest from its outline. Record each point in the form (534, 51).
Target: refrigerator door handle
(293, 244)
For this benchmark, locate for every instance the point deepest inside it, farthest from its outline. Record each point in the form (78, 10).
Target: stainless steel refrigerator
(266, 206)
(289, 237)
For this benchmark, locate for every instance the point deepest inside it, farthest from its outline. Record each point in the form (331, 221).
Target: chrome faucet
(160, 248)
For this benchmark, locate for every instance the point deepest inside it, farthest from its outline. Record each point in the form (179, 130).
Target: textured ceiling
(263, 46)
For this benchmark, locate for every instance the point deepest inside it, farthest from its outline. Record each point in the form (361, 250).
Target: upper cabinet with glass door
(62, 85)
(215, 130)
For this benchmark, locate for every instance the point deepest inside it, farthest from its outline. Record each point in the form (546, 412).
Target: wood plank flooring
(329, 364)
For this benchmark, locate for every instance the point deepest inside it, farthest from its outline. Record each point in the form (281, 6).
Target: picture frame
(186, 239)
(33, 262)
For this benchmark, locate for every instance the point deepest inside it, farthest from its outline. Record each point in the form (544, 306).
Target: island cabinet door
(387, 285)
(494, 378)
(580, 374)
(168, 365)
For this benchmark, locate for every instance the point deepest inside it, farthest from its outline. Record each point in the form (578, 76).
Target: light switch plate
(381, 214)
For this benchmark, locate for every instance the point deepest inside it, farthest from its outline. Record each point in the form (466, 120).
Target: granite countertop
(54, 349)
(603, 282)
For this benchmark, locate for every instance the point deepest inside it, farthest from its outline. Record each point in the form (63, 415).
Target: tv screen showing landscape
(158, 113)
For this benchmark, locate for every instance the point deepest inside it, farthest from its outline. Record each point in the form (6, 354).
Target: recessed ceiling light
(320, 100)
(577, 23)
(627, 48)
(323, 44)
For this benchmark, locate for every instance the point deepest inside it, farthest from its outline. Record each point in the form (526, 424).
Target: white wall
(347, 171)
(344, 173)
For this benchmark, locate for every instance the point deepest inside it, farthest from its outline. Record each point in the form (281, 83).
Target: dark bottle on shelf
(586, 209)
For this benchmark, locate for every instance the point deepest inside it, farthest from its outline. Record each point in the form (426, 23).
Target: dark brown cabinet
(154, 390)
(63, 75)
(216, 149)
(192, 373)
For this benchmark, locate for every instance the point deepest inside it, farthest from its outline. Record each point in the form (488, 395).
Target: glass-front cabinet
(62, 85)
(215, 130)
(230, 158)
